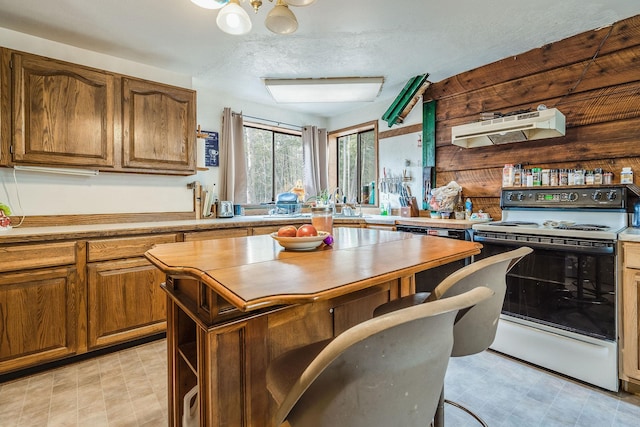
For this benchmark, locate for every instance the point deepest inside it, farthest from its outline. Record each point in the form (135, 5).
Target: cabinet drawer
(126, 247)
(632, 255)
(216, 234)
(22, 257)
(266, 229)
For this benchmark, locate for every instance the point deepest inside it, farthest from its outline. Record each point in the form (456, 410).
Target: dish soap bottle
(636, 215)
(372, 194)
(468, 208)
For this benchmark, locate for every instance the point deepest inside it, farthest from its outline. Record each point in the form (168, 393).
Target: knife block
(411, 210)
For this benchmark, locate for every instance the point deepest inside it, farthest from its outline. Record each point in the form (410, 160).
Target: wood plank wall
(593, 78)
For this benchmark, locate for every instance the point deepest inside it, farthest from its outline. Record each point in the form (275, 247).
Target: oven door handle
(606, 248)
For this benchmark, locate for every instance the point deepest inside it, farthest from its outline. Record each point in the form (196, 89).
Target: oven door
(565, 288)
(427, 280)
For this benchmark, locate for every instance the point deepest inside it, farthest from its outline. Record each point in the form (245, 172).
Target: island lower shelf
(227, 359)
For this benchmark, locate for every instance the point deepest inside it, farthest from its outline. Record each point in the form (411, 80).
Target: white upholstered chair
(387, 371)
(474, 330)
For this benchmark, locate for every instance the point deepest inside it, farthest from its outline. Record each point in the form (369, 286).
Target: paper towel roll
(201, 153)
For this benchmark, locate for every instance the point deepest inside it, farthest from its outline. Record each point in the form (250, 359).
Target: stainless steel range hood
(539, 124)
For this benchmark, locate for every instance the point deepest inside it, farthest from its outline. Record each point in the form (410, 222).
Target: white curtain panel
(233, 164)
(316, 160)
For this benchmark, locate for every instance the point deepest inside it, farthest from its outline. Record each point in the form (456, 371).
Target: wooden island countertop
(234, 304)
(256, 272)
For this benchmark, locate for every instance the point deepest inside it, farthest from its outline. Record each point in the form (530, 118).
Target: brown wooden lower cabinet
(630, 342)
(38, 317)
(227, 359)
(125, 301)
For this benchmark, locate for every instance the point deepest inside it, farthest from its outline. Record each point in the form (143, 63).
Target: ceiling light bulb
(300, 2)
(281, 20)
(211, 4)
(233, 19)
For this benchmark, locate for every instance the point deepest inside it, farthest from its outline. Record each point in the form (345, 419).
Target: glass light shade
(233, 19)
(211, 4)
(281, 20)
(299, 2)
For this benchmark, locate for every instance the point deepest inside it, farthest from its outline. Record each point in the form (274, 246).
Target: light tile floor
(507, 393)
(126, 388)
(129, 388)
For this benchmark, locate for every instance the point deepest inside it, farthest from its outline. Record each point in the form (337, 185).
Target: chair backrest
(475, 329)
(367, 375)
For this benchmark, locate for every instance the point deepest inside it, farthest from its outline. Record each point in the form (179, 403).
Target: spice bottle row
(517, 176)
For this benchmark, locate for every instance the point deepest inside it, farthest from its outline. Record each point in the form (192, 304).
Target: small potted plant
(5, 221)
(321, 199)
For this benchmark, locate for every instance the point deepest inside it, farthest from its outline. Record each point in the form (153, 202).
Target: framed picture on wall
(211, 153)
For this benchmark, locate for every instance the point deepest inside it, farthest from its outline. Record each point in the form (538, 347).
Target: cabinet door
(630, 348)
(38, 317)
(158, 127)
(125, 301)
(63, 114)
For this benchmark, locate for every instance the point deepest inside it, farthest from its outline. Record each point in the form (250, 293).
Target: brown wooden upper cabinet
(158, 125)
(63, 114)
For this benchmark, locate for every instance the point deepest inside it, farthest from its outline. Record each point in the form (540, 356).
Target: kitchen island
(235, 304)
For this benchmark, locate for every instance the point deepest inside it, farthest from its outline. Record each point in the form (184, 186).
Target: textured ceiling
(396, 39)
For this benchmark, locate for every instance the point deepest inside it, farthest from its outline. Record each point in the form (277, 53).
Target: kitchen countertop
(630, 235)
(461, 224)
(67, 232)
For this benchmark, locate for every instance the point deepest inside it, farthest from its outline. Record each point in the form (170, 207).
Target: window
(274, 162)
(356, 162)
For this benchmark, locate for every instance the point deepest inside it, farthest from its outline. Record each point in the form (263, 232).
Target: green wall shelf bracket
(406, 100)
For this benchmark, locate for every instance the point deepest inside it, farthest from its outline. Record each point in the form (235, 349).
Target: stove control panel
(565, 197)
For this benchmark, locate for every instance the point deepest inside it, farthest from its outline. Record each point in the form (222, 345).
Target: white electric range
(560, 311)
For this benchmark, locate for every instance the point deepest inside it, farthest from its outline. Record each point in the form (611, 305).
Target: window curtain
(233, 165)
(316, 161)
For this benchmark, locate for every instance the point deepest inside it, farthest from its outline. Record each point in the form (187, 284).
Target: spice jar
(536, 175)
(607, 178)
(597, 176)
(544, 177)
(528, 182)
(626, 176)
(517, 176)
(554, 178)
(589, 178)
(564, 177)
(507, 175)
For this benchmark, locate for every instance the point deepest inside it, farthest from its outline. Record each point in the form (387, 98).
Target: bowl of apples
(304, 238)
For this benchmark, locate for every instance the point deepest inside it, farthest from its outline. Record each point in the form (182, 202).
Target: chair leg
(438, 418)
(468, 411)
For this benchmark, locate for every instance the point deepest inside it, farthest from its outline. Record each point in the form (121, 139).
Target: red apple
(287, 231)
(307, 230)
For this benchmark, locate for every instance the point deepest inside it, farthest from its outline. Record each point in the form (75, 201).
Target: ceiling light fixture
(233, 19)
(211, 4)
(342, 89)
(281, 20)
